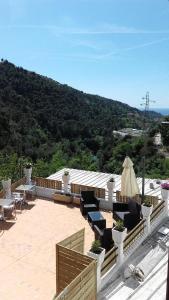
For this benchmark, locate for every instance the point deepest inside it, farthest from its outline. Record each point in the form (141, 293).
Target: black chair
(88, 202)
(104, 235)
(129, 213)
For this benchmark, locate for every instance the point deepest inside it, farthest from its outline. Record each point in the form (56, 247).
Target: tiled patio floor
(27, 248)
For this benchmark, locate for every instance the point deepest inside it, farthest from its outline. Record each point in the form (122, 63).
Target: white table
(25, 188)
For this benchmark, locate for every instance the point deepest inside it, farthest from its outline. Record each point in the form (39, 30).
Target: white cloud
(100, 30)
(143, 45)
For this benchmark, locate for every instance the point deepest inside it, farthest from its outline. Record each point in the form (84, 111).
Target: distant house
(157, 139)
(165, 123)
(128, 131)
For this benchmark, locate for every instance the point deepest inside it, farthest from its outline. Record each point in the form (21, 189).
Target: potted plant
(98, 253)
(119, 226)
(6, 184)
(119, 233)
(165, 190)
(65, 178)
(146, 208)
(96, 247)
(111, 184)
(28, 172)
(28, 165)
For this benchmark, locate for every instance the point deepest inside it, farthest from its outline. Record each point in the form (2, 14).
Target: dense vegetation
(54, 125)
(164, 128)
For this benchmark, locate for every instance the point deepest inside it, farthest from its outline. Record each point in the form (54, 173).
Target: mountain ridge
(54, 125)
(35, 105)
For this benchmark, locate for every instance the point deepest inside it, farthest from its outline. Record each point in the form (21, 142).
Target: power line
(146, 109)
(147, 102)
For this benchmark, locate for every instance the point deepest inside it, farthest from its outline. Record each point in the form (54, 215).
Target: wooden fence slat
(134, 234)
(71, 240)
(77, 188)
(75, 272)
(157, 210)
(109, 260)
(48, 183)
(152, 199)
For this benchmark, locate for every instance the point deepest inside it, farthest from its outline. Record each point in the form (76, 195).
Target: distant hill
(38, 111)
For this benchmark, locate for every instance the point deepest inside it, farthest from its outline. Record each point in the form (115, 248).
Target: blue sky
(115, 48)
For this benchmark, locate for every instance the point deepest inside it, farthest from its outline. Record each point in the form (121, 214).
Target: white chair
(18, 199)
(1, 214)
(9, 209)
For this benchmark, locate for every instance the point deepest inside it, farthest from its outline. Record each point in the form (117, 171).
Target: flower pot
(118, 236)
(66, 179)
(146, 211)
(28, 173)
(7, 188)
(99, 257)
(110, 185)
(164, 194)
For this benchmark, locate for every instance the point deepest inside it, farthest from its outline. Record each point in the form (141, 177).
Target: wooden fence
(133, 235)
(75, 241)
(48, 183)
(157, 210)
(75, 273)
(70, 275)
(77, 188)
(124, 199)
(152, 199)
(109, 260)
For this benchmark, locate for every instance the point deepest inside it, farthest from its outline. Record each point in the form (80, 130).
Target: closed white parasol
(129, 185)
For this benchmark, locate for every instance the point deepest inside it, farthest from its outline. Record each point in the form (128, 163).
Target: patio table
(25, 188)
(96, 218)
(5, 202)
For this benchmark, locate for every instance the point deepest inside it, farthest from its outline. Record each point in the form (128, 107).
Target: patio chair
(1, 214)
(129, 213)
(104, 235)
(88, 202)
(8, 211)
(18, 199)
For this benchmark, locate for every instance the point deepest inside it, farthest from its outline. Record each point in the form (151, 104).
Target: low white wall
(105, 204)
(45, 192)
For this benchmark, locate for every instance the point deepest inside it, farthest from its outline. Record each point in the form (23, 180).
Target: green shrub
(147, 202)
(96, 247)
(119, 226)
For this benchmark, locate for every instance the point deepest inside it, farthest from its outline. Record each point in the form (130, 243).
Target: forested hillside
(37, 111)
(54, 125)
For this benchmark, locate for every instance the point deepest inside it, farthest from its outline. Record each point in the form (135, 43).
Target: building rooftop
(98, 179)
(128, 131)
(27, 248)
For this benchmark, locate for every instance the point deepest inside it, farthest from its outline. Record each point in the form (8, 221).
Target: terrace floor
(27, 248)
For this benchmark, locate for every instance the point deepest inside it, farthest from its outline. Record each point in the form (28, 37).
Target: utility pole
(146, 109)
